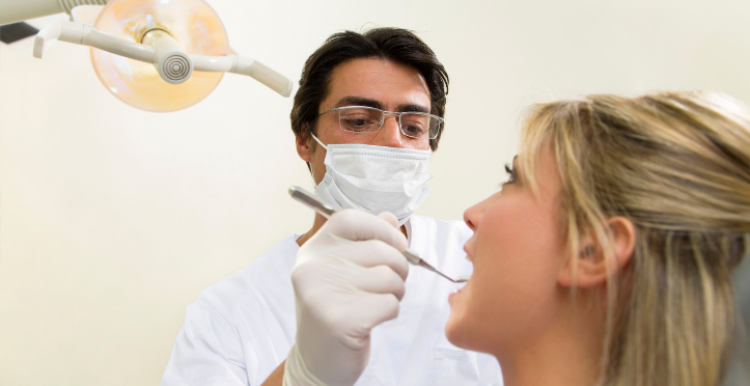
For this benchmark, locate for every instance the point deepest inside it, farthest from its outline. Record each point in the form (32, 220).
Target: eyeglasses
(362, 119)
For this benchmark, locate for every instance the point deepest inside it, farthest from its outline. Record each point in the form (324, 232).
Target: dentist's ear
(592, 268)
(303, 144)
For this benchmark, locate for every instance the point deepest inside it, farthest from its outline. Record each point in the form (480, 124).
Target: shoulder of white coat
(265, 283)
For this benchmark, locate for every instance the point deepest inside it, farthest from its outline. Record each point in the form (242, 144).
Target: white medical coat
(241, 329)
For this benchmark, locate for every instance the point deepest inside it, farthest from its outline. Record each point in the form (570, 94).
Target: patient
(606, 257)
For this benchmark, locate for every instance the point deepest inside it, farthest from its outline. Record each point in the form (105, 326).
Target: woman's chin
(457, 332)
(453, 331)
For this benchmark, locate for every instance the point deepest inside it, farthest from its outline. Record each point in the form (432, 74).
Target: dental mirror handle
(326, 211)
(311, 202)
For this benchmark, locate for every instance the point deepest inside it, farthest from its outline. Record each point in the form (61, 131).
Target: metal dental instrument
(326, 211)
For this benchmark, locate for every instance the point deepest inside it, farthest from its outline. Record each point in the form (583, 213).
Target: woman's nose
(473, 216)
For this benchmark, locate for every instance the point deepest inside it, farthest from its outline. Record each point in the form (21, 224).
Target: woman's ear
(589, 267)
(303, 144)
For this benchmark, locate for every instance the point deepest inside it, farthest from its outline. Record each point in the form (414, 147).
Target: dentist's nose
(390, 134)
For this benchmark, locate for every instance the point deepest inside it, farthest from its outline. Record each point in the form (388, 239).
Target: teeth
(464, 278)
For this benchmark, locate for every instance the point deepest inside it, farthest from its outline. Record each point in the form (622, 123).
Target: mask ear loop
(324, 147)
(321, 143)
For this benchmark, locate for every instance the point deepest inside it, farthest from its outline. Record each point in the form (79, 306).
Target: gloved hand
(347, 279)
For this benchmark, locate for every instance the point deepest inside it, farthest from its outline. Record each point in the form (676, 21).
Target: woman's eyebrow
(516, 169)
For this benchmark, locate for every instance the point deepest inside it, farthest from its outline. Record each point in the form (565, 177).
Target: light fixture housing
(157, 55)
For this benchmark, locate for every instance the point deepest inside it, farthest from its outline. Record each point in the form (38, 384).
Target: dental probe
(326, 211)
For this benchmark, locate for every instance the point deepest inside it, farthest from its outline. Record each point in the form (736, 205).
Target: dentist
(367, 115)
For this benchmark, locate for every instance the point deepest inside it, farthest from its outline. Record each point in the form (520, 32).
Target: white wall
(112, 220)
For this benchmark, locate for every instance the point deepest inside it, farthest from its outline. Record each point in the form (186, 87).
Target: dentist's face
(374, 83)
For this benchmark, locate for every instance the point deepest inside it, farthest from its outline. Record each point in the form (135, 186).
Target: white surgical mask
(375, 179)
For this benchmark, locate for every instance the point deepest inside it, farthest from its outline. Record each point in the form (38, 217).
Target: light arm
(244, 66)
(77, 33)
(87, 35)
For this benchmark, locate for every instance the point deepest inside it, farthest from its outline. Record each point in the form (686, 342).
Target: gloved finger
(390, 218)
(375, 309)
(380, 280)
(372, 253)
(360, 226)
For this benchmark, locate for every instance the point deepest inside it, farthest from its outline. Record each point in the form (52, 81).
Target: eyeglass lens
(369, 120)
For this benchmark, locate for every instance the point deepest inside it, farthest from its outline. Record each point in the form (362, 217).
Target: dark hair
(394, 44)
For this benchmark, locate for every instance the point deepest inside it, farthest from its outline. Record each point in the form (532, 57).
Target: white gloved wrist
(296, 373)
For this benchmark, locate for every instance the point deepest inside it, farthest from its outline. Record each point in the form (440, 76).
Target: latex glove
(347, 279)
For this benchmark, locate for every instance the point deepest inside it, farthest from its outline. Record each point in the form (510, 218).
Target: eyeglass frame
(386, 113)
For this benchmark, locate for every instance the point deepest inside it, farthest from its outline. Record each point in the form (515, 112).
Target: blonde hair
(678, 166)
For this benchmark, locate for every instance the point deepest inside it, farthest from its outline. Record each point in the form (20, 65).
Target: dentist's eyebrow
(358, 101)
(412, 108)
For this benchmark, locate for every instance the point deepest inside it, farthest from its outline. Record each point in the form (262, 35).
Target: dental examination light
(156, 55)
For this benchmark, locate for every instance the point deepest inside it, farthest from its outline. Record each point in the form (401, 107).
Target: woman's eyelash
(511, 174)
